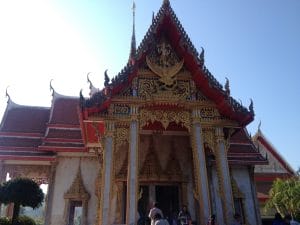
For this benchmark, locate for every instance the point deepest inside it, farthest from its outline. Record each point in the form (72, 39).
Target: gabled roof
(261, 141)
(242, 150)
(24, 119)
(64, 110)
(36, 133)
(63, 129)
(167, 23)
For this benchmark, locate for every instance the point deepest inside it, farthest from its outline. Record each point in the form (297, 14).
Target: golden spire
(133, 41)
(166, 2)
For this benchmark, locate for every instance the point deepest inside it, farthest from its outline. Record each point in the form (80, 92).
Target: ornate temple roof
(242, 150)
(277, 166)
(25, 119)
(36, 133)
(42, 131)
(166, 23)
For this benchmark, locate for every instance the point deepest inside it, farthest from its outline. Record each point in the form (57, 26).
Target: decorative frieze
(165, 117)
(121, 109)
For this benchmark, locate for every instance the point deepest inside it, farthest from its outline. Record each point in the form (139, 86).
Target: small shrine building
(163, 130)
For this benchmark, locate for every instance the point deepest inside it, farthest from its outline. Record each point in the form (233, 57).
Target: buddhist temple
(264, 175)
(162, 130)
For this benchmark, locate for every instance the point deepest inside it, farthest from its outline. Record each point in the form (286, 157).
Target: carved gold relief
(38, 173)
(165, 117)
(121, 109)
(121, 137)
(164, 63)
(151, 167)
(77, 189)
(209, 138)
(151, 88)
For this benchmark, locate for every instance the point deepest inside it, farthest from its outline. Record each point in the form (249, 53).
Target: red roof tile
(242, 150)
(25, 119)
(64, 133)
(240, 136)
(19, 142)
(65, 111)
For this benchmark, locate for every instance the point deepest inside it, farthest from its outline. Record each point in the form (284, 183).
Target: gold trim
(165, 117)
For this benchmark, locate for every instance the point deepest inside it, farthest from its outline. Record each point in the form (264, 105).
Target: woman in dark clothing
(277, 219)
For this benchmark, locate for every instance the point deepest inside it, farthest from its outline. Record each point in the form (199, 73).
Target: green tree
(21, 192)
(284, 196)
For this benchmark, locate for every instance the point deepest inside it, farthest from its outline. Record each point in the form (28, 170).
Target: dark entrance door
(168, 198)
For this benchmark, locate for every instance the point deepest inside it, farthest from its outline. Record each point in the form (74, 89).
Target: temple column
(224, 177)
(107, 174)
(2, 177)
(254, 196)
(201, 181)
(132, 176)
(50, 192)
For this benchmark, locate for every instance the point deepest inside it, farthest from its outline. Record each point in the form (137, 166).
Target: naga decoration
(227, 88)
(6, 94)
(251, 107)
(106, 79)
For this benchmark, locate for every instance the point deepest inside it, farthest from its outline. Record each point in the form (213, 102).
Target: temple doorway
(168, 199)
(166, 195)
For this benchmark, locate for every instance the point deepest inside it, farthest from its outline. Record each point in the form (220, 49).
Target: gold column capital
(219, 134)
(134, 112)
(196, 116)
(109, 128)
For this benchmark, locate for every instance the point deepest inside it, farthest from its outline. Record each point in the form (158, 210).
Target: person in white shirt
(159, 220)
(155, 210)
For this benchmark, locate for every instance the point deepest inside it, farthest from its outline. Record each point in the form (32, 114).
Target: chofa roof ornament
(6, 94)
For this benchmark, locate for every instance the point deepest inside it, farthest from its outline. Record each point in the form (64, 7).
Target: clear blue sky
(255, 43)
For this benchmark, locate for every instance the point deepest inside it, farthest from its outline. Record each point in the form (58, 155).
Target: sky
(254, 43)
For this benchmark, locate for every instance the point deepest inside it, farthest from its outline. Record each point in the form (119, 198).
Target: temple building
(265, 175)
(163, 130)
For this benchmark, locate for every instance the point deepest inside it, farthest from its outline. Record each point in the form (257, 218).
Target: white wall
(66, 171)
(242, 178)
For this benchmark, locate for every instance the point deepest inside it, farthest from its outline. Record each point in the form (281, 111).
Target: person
(153, 211)
(237, 219)
(184, 217)
(277, 219)
(212, 220)
(173, 219)
(288, 220)
(159, 220)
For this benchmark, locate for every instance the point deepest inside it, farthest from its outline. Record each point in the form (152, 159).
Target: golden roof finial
(166, 2)
(133, 6)
(133, 41)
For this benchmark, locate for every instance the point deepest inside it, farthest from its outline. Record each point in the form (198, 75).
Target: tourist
(154, 211)
(212, 220)
(237, 219)
(159, 220)
(288, 220)
(277, 219)
(184, 217)
(173, 219)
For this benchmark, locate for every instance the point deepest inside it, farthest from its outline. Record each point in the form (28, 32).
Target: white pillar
(2, 177)
(224, 177)
(132, 176)
(200, 172)
(50, 192)
(107, 173)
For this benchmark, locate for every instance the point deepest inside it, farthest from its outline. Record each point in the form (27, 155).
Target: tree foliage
(284, 196)
(21, 192)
